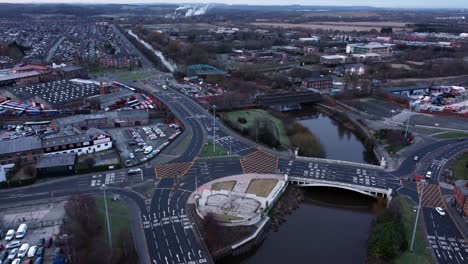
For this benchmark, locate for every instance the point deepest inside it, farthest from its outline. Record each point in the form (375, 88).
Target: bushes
(387, 239)
(300, 137)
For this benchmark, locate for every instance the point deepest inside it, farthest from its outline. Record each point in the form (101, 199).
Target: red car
(418, 178)
(48, 242)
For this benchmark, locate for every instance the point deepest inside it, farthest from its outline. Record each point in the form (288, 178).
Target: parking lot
(375, 107)
(140, 144)
(43, 222)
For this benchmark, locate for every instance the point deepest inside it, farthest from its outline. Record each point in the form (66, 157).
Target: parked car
(10, 234)
(32, 251)
(21, 232)
(40, 242)
(12, 254)
(3, 255)
(16, 261)
(38, 260)
(131, 155)
(13, 244)
(48, 242)
(40, 251)
(27, 261)
(416, 158)
(440, 211)
(1, 247)
(23, 250)
(134, 171)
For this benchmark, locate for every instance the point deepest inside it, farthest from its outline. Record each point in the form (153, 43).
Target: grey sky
(376, 3)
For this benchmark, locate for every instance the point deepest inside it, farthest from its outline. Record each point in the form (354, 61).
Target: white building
(93, 140)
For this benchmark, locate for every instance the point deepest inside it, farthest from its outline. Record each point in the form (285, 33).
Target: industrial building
(28, 149)
(372, 47)
(460, 195)
(54, 95)
(318, 83)
(56, 165)
(334, 59)
(104, 120)
(90, 141)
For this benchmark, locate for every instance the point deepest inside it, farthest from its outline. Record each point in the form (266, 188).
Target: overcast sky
(376, 3)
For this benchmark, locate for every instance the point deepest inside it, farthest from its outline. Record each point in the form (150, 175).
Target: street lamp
(423, 183)
(103, 187)
(214, 126)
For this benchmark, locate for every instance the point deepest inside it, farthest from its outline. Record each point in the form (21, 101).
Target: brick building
(318, 83)
(28, 149)
(460, 194)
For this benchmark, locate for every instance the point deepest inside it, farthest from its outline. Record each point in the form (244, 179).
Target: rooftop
(14, 76)
(57, 160)
(19, 145)
(463, 185)
(404, 88)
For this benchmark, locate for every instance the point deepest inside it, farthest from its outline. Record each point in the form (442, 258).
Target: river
(330, 225)
(167, 63)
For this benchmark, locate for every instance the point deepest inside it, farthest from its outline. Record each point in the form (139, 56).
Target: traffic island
(232, 213)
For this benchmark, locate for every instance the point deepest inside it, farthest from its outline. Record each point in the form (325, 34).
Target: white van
(21, 232)
(148, 150)
(23, 250)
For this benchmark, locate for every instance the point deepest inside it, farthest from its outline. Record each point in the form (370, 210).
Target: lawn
(261, 187)
(134, 76)
(449, 135)
(118, 215)
(420, 254)
(207, 151)
(252, 114)
(460, 170)
(393, 148)
(225, 185)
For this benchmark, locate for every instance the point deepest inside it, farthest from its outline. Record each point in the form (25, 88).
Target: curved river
(330, 225)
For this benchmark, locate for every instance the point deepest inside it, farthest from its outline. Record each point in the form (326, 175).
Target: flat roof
(404, 88)
(56, 160)
(19, 145)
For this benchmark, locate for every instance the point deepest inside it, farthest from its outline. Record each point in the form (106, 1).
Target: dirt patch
(261, 187)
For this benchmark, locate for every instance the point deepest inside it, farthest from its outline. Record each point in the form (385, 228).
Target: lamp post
(214, 126)
(423, 183)
(103, 187)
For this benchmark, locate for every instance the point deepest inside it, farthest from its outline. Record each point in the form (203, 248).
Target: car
(7, 261)
(40, 242)
(23, 250)
(3, 255)
(27, 261)
(10, 234)
(139, 150)
(132, 143)
(134, 171)
(429, 174)
(416, 158)
(148, 150)
(131, 155)
(32, 251)
(21, 232)
(16, 261)
(13, 253)
(48, 242)
(1, 248)
(128, 163)
(13, 244)
(143, 159)
(57, 251)
(40, 251)
(2, 235)
(38, 260)
(440, 211)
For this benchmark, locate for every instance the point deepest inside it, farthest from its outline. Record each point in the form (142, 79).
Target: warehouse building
(91, 141)
(28, 149)
(372, 47)
(103, 120)
(56, 165)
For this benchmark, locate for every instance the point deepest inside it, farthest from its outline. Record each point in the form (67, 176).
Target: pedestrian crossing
(107, 178)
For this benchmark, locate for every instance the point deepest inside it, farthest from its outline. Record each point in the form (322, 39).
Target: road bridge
(288, 98)
(364, 189)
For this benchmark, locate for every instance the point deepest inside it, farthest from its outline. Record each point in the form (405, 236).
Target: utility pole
(407, 122)
(214, 126)
(423, 183)
(107, 219)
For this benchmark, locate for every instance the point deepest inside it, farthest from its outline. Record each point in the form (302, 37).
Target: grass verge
(118, 215)
(207, 151)
(420, 254)
(225, 185)
(448, 135)
(261, 187)
(393, 148)
(460, 170)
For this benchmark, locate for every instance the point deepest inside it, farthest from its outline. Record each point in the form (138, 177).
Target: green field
(452, 135)
(134, 76)
(118, 215)
(460, 171)
(207, 151)
(252, 114)
(393, 148)
(420, 254)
